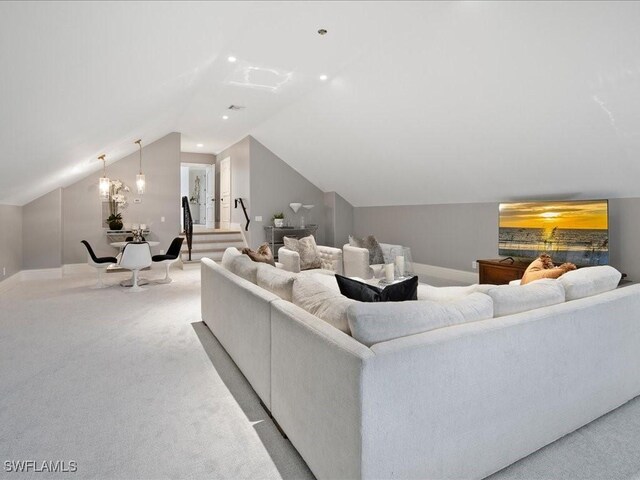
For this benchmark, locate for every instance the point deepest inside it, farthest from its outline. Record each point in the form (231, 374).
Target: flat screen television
(569, 231)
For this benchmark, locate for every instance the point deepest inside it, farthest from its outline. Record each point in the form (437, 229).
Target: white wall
(42, 232)
(10, 240)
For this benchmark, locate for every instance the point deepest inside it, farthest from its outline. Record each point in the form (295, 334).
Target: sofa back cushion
(246, 268)
(372, 323)
(322, 301)
(276, 280)
(228, 255)
(510, 299)
(588, 281)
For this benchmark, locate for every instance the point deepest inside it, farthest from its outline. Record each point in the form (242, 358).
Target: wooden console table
(500, 272)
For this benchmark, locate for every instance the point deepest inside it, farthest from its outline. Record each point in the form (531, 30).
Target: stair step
(196, 256)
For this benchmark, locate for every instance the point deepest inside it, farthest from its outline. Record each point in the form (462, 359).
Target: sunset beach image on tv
(569, 231)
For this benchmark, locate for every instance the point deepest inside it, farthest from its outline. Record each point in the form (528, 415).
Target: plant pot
(278, 222)
(115, 225)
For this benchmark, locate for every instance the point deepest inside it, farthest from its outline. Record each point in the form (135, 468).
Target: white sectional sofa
(462, 401)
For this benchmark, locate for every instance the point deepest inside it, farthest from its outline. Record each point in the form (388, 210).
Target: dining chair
(99, 263)
(135, 257)
(172, 256)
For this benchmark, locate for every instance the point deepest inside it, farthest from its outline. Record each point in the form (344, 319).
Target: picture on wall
(569, 231)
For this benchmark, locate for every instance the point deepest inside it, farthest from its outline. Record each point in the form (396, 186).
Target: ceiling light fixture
(200, 145)
(225, 117)
(323, 77)
(232, 59)
(104, 183)
(140, 180)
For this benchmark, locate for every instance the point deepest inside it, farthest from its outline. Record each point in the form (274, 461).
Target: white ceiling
(425, 102)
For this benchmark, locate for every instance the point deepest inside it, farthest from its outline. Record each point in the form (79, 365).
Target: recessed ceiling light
(232, 59)
(200, 145)
(225, 117)
(323, 77)
(322, 31)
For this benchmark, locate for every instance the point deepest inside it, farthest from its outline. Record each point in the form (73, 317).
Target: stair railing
(244, 209)
(188, 223)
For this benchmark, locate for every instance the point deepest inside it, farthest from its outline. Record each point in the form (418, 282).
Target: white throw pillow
(443, 294)
(510, 299)
(246, 268)
(228, 255)
(372, 323)
(588, 281)
(322, 301)
(276, 281)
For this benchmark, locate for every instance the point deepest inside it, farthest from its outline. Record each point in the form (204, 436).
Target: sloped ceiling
(425, 102)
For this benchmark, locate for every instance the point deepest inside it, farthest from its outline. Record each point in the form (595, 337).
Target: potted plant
(115, 221)
(278, 220)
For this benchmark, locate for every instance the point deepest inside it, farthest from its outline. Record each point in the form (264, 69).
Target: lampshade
(140, 180)
(104, 185)
(140, 183)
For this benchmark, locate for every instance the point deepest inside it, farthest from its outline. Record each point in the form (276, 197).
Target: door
(225, 193)
(210, 194)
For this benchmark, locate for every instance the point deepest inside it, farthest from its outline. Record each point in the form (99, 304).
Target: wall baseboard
(446, 273)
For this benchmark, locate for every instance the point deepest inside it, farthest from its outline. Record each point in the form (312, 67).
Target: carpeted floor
(135, 386)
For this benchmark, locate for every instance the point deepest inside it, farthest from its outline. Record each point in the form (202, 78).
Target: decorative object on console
(140, 179)
(543, 267)
(307, 249)
(262, 255)
(376, 256)
(137, 232)
(117, 201)
(295, 206)
(363, 292)
(115, 221)
(104, 184)
(278, 220)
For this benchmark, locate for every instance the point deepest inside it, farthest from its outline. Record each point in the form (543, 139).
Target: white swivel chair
(172, 256)
(135, 257)
(99, 263)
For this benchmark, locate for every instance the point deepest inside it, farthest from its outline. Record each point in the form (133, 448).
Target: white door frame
(225, 193)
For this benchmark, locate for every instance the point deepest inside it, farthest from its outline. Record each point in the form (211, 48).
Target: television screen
(575, 231)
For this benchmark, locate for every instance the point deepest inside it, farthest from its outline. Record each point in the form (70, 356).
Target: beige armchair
(331, 259)
(356, 260)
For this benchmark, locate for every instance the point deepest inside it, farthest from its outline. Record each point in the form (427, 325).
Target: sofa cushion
(588, 281)
(510, 299)
(444, 294)
(322, 301)
(228, 255)
(262, 255)
(376, 256)
(276, 281)
(364, 292)
(325, 277)
(307, 249)
(246, 268)
(372, 323)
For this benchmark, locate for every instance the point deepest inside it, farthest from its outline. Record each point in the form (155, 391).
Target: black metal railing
(188, 223)
(244, 209)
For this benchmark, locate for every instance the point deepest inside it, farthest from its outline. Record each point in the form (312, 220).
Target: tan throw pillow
(542, 267)
(262, 255)
(307, 249)
(376, 257)
(321, 301)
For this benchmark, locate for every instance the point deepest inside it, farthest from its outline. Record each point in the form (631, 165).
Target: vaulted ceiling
(425, 102)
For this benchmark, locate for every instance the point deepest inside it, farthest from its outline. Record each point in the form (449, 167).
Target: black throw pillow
(363, 292)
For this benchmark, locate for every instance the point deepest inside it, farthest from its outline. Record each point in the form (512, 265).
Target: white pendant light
(104, 183)
(140, 180)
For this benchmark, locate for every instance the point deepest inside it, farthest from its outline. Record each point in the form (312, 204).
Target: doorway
(197, 183)
(225, 193)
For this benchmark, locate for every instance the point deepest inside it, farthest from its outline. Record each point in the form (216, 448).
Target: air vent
(235, 107)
